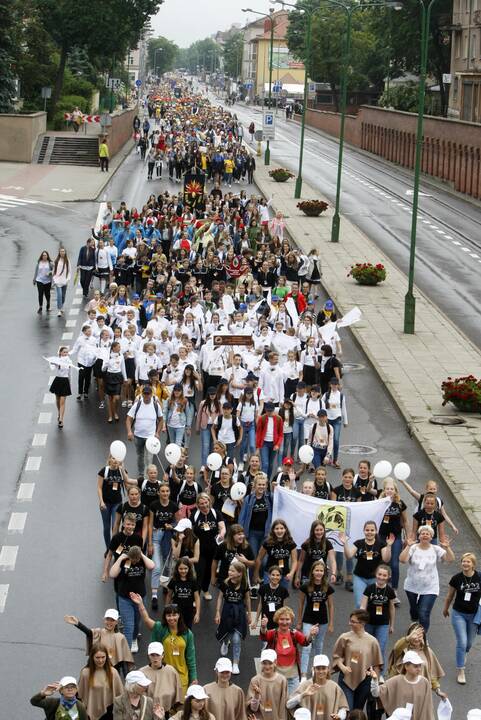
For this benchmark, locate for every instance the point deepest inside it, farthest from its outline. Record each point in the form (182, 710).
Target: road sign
(138, 83)
(268, 125)
(114, 83)
(259, 135)
(277, 87)
(249, 86)
(46, 92)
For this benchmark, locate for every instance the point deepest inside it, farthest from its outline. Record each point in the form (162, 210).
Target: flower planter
(464, 393)
(367, 281)
(466, 407)
(312, 208)
(367, 273)
(280, 175)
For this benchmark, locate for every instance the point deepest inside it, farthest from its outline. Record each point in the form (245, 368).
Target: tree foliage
(7, 73)
(203, 54)
(164, 59)
(233, 51)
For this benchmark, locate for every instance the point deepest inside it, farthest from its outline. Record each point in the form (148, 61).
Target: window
(455, 88)
(473, 47)
(457, 44)
(465, 46)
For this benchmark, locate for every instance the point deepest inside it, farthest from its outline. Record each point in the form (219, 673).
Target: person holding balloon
(144, 420)
(112, 479)
(394, 522)
(161, 523)
(208, 527)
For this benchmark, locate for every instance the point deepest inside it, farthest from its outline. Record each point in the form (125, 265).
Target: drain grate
(446, 420)
(358, 449)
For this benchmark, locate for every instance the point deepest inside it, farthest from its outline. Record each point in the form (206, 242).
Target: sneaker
(254, 593)
(154, 603)
(461, 677)
(86, 397)
(396, 601)
(240, 466)
(124, 403)
(339, 579)
(39, 311)
(207, 596)
(129, 403)
(101, 405)
(135, 646)
(224, 648)
(349, 586)
(59, 314)
(79, 398)
(235, 669)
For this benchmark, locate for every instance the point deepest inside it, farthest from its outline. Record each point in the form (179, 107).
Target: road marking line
(48, 399)
(33, 463)
(440, 232)
(473, 255)
(456, 242)
(44, 418)
(465, 249)
(426, 222)
(434, 227)
(39, 440)
(8, 557)
(3, 596)
(25, 492)
(67, 336)
(17, 522)
(70, 323)
(74, 311)
(449, 237)
(76, 301)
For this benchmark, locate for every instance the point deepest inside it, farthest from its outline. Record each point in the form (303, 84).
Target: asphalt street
(377, 197)
(56, 566)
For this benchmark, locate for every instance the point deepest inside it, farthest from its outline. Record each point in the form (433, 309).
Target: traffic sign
(138, 83)
(277, 87)
(259, 135)
(249, 86)
(268, 125)
(114, 83)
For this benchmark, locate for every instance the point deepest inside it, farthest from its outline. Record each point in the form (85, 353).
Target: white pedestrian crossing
(7, 202)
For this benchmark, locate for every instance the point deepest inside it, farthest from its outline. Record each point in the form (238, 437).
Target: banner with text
(299, 511)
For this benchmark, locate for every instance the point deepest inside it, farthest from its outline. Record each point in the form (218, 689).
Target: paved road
(59, 557)
(377, 196)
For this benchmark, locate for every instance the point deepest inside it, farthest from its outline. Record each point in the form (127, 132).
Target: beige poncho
(166, 688)
(273, 697)
(397, 691)
(98, 696)
(226, 703)
(325, 702)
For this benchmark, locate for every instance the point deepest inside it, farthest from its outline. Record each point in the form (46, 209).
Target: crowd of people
(201, 317)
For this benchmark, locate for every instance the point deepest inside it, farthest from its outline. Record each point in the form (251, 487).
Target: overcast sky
(185, 21)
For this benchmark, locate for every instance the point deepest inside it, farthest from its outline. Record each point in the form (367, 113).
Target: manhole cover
(446, 420)
(357, 450)
(350, 367)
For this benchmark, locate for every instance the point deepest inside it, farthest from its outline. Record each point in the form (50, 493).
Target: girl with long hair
(209, 411)
(183, 591)
(99, 684)
(175, 415)
(316, 547)
(233, 612)
(280, 549)
(316, 607)
(61, 278)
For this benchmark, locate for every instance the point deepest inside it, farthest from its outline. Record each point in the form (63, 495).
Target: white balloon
(152, 444)
(238, 491)
(214, 461)
(402, 471)
(118, 450)
(306, 454)
(382, 469)
(173, 453)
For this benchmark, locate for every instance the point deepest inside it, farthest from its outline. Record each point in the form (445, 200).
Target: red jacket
(262, 428)
(300, 300)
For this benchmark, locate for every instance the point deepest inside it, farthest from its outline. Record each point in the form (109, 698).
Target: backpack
(327, 396)
(158, 412)
(235, 427)
(328, 365)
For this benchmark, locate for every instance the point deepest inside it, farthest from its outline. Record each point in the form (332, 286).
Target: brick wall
(121, 129)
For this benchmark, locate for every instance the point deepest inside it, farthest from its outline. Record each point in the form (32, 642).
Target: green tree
(233, 51)
(7, 56)
(161, 55)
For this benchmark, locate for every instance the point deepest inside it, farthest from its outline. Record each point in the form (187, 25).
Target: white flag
(351, 317)
(299, 511)
(292, 310)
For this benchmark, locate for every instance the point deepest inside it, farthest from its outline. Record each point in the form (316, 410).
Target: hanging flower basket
(367, 273)
(280, 174)
(313, 208)
(463, 392)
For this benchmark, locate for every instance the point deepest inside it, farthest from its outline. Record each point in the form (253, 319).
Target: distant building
(465, 76)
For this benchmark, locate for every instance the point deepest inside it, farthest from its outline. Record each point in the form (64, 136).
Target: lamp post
(267, 155)
(410, 300)
(155, 59)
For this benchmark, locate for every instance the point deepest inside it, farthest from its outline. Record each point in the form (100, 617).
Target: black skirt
(309, 374)
(290, 386)
(113, 383)
(98, 372)
(61, 387)
(130, 368)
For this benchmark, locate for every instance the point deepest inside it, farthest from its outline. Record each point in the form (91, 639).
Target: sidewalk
(412, 367)
(58, 183)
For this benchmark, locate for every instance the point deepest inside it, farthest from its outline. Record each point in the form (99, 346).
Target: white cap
(474, 714)
(183, 524)
(155, 648)
(68, 680)
(404, 713)
(269, 656)
(223, 664)
(320, 661)
(302, 714)
(112, 614)
(137, 677)
(197, 692)
(410, 656)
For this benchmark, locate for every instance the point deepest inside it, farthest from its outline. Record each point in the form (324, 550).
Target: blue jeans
(336, 426)
(108, 520)
(359, 585)
(176, 435)
(381, 633)
(315, 646)
(248, 442)
(288, 445)
(143, 456)
(235, 638)
(230, 448)
(61, 293)
(292, 685)
(356, 699)
(157, 557)
(319, 455)
(349, 563)
(396, 548)
(206, 444)
(255, 538)
(268, 458)
(465, 632)
(298, 432)
(130, 618)
(420, 607)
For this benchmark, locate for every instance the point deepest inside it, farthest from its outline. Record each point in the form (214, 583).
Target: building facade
(465, 89)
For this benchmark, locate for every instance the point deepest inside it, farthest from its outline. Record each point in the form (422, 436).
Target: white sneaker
(235, 669)
(224, 648)
(135, 646)
(101, 405)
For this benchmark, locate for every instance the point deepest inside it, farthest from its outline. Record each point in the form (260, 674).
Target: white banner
(299, 511)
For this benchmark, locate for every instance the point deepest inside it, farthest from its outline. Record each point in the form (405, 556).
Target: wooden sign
(233, 340)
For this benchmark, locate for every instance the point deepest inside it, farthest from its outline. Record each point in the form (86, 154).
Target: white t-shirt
(145, 420)
(422, 577)
(269, 430)
(226, 433)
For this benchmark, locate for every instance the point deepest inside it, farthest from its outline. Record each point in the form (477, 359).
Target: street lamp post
(410, 300)
(157, 50)
(267, 155)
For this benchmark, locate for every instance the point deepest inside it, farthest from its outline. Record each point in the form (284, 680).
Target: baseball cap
(302, 714)
(137, 677)
(135, 296)
(155, 648)
(223, 664)
(412, 657)
(242, 306)
(275, 298)
(269, 406)
(320, 661)
(197, 692)
(67, 680)
(184, 524)
(146, 390)
(269, 656)
(112, 613)
(288, 461)
(329, 305)
(211, 391)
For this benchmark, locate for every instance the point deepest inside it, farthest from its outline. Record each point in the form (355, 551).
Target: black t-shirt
(140, 512)
(224, 557)
(279, 554)
(361, 484)
(220, 495)
(131, 579)
(163, 514)
(323, 491)
(313, 554)
(344, 495)
(205, 528)
(272, 599)
(368, 557)
(112, 485)
(149, 492)
(378, 603)
(188, 493)
(391, 522)
(183, 595)
(173, 484)
(315, 606)
(439, 502)
(432, 520)
(468, 592)
(259, 514)
(231, 593)
(120, 542)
